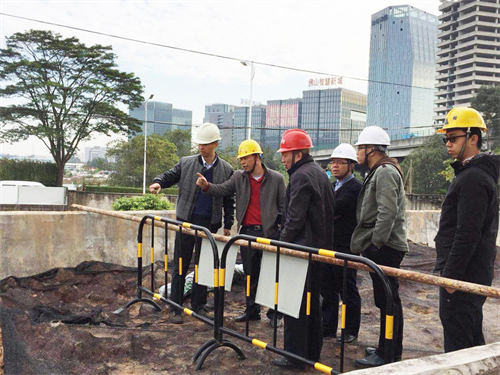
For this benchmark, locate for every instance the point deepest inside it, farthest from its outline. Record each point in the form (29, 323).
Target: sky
(328, 37)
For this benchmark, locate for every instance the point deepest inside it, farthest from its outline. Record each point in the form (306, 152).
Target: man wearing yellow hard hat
(465, 242)
(260, 200)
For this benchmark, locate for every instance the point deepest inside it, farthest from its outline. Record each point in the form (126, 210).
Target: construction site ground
(62, 322)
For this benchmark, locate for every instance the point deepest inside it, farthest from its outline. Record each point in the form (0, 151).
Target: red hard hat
(295, 139)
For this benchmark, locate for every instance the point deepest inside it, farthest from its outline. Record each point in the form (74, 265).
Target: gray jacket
(184, 175)
(381, 210)
(272, 196)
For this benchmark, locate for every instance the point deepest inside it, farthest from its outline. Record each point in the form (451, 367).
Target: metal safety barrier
(140, 288)
(219, 310)
(219, 292)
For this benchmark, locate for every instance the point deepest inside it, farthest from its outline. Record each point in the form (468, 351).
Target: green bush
(121, 189)
(143, 203)
(28, 170)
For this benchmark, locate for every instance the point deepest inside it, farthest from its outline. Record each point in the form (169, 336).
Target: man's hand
(227, 232)
(154, 188)
(202, 181)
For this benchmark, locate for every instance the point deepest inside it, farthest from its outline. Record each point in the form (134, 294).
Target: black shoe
(279, 322)
(286, 363)
(370, 350)
(243, 317)
(373, 360)
(348, 339)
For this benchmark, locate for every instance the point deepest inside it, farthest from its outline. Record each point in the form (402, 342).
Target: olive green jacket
(381, 209)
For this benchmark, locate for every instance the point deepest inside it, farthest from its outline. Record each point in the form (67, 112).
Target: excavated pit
(62, 322)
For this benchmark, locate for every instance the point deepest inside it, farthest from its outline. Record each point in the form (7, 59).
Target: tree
(487, 101)
(161, 156)
(230, 154)
(69, 93)
(422, 168)
(182, 139)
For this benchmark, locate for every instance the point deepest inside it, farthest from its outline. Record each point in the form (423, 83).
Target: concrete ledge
(483, 360)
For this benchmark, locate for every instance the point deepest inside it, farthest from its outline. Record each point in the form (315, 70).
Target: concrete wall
(34, 242)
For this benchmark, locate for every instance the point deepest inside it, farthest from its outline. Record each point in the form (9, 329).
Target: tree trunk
(60, 174)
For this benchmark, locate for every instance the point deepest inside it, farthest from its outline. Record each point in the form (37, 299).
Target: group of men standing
(365, 219)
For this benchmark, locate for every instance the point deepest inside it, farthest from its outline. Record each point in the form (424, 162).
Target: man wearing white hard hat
(197, 208)
(346, 191)
(381, 232)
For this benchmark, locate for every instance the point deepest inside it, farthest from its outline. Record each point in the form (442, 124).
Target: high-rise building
(95, 152)
(468, 52)
(221, 115)
(333, 116)
(280, 116)
(241, 115)
(162, 117)
(402, 70)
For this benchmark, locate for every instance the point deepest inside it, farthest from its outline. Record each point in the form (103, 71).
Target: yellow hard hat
(248, 147)
(462, 117)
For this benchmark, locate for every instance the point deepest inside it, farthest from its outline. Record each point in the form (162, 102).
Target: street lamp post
(252, 74)
(145, 141)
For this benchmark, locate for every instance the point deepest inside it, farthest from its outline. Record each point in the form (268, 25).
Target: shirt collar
(208, 166)
(340, 183)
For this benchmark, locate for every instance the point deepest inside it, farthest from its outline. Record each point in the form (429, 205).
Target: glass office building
(241, 115)
(333, 116)
(162, 117)
(280, 116)
(402, 70)
(221, 115)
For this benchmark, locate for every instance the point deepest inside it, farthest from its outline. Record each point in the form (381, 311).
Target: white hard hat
(373, 135)
(207, 133)
(344, 151)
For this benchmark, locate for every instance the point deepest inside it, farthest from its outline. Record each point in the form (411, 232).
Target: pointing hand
(202, 181)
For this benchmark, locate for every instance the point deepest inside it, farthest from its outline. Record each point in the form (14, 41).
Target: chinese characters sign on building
(326, 82)
(247, 102)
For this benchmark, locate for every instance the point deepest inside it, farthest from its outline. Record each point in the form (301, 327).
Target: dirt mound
(62, 322)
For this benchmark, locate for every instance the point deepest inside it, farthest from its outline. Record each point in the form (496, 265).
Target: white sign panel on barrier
(292, 280)
(206, 264)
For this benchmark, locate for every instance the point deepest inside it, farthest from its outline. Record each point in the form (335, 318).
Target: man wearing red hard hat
(307, 220)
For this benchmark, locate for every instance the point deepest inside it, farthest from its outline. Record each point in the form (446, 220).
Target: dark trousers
(184, 245)
(331, 291)
(298, 331)
(251, 265)
(387, 256)
(462, 317)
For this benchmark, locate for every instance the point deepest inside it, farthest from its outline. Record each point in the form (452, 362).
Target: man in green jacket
(381, 231)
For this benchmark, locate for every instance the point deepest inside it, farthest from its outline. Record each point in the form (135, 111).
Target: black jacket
(308, 215)
(344, 220)
(468, 227)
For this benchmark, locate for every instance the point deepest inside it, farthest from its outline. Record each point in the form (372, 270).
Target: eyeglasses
(337, 162)
(452, 138)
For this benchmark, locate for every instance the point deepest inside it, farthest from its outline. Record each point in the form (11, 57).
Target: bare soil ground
(62, 322)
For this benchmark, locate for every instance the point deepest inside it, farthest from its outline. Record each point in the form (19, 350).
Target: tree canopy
(423, 166)
(66, 91)
(161, 156)
(182, 140)
(487, 101)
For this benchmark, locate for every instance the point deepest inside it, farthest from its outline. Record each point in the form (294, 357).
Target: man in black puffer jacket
(468, 227)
